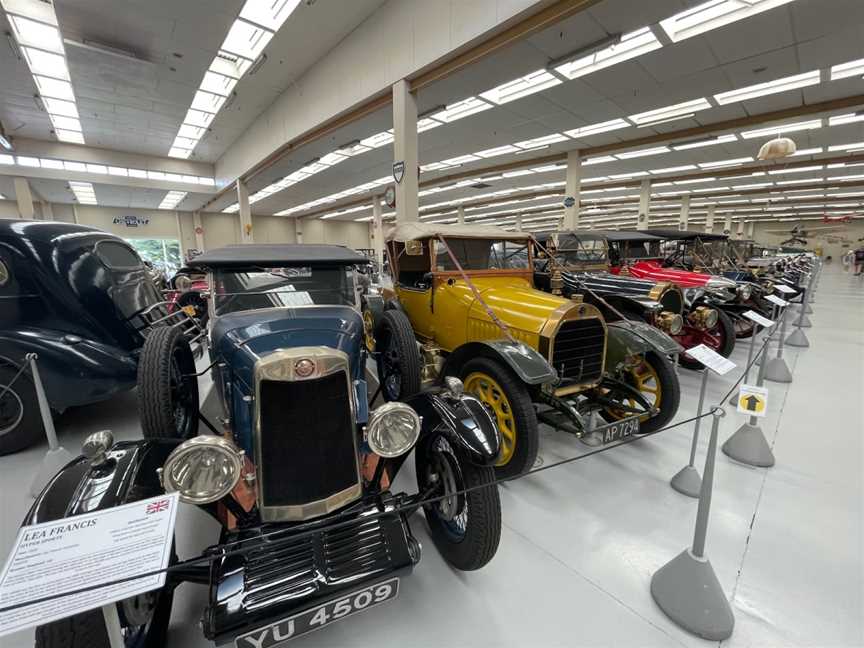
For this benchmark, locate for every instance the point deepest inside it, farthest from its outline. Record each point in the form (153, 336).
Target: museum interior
(588, 276)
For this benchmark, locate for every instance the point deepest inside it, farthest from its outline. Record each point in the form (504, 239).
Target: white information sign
(784, 289)
(711, 359)
(774, 299)
(82, 551)
(752, 400)
(753, 316)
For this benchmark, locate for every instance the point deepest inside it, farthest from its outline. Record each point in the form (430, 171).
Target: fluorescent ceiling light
(521, 87)
(642, 153)
(426, 124)
(172, 199)
(594, 129)
(600, 159)
(710, 141)
(461, 109)
(28, 161)
(839, 120)
(712, 15)
(755, 185)
(634, 44)
(771, 87)
(723, 163)
(845, 70)
(675, 169)
(377, 140)
(498, 150)
(97, 168)
(72, 137)
(846, 147)
(627, 176)
(669, 113)
(805, 169)
(694, 181)
(84, 192)
(539, 142)
(779, 130)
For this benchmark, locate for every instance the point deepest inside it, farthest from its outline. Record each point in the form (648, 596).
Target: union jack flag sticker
(157, 507)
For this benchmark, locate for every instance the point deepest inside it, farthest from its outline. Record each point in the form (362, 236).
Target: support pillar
(751, 229)
(298, 230)
(245, 213)
(405, 151)
(572, 191)
(727, 226)
(519, 222)
(740, 233)
(47, 211)
(709, 219)
(460, 214)
(644, 205)
(24, 198)
(75, 214)
(378, 231)
(199, 230)
(684, 216)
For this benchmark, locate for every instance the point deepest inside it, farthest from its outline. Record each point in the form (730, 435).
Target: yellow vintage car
(469, 295)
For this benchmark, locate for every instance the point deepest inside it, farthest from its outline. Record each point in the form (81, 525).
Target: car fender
(527, 363)
(129, 474)
(626, 339)
(98, 370)
(463, 421)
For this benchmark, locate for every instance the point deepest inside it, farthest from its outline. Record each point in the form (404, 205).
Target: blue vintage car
(83, 301)
(298, 468)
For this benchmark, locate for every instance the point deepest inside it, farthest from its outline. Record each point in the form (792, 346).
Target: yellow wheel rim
(369, 331)
(645, 379)
(490, 393)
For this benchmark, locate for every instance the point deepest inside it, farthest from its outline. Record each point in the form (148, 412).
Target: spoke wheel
(645, 380)
(493, 397)
(655, 379)
(720, 339)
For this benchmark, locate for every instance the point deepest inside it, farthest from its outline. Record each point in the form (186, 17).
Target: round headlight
(711, 318)
(676, 323)
(393, 429)
(744, 292)
(183, 284)
(203, 469)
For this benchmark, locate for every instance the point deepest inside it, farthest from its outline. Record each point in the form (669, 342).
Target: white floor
(581, 542)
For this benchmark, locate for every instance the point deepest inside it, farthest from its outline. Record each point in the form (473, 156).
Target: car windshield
(251, 289)
(573, 250)
(481, 254)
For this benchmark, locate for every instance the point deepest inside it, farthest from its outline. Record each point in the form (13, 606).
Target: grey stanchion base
(804, 322)
(797, 339)
(748, 445)
(778, 371)
(808, 309)
(687, 590)
(52, 462)
(687, 481)
(733, 400)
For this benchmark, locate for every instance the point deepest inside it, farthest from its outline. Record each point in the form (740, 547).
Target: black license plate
(319, 616)
(618, 430)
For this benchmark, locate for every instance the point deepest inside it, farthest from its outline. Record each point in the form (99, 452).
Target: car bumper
(278, 576)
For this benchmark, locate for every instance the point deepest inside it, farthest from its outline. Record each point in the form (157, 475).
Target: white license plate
(319, 616)
(619, 430)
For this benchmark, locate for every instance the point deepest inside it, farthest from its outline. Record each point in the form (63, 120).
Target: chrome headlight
(744, 292)
(203, 469)
(393, 429)
(703, 318)
(670, 322)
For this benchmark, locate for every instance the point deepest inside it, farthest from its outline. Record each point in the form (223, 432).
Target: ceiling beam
(103, 179)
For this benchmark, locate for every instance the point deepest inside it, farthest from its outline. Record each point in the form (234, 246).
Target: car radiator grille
(307, 440)
(578, 348)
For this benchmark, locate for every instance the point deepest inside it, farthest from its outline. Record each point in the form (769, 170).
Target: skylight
(711, 15)
(669, 113)
(37, 32)
(770, 87)
(252, 30)
(171, 199)
(634, 44)
(521, 87)
(84, 192)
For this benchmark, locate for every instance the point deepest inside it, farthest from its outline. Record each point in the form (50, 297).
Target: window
(117, 256)
(481, 254)
(573, 250)
(162, 254)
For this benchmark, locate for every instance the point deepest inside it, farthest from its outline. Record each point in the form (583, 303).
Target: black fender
(463, 421)
(527, 363)
(129, 475)
(98, 370)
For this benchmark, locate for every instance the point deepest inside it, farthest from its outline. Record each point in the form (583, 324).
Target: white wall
(8, 209)
(850, 231)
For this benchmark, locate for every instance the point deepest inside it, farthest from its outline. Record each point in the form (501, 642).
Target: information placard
(753, 316)
(711, 359)
(774, 299)
(83, 551)
(752, 400)
(784, 289)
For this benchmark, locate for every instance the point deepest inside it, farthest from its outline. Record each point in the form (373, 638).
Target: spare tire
(398, 358)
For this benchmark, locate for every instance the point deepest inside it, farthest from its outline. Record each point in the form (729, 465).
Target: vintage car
(470, 296)
(577, 263)
(188, 290)
(299, 473)
(82, 300)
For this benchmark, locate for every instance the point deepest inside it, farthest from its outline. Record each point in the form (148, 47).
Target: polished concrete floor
(581, 541)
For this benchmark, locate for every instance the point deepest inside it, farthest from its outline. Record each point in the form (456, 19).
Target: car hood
(684, 278)
(240, 339)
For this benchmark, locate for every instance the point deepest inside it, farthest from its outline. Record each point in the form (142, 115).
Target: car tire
(397, 358)
(670, 394)
(167, 386)
(20, 420)
(726, 328)
(469, 541)
(517, 418)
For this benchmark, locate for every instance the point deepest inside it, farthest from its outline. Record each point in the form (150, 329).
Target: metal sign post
(734, 399)
(686, 588)
(687, 480)
(769, 332)
(112, 626)
(57, 456)
(798, 338)
(777, 369)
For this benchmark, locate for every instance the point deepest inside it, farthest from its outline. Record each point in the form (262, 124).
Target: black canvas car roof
(609, 235)
(685, 235)
(277, 255)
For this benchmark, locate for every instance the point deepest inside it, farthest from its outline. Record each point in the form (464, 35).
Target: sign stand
(686, 588)
(748, 445)
(112, 626)
(777, 370)
(734, 399)
(57, 456)
(798, 338)
(775, 311)
(687, 480)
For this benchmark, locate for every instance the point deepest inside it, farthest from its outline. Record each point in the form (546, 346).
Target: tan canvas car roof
(414, 231)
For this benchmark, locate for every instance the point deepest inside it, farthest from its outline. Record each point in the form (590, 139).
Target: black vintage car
(299, 471)
(83, 301)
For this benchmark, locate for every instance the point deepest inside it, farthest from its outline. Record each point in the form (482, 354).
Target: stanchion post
(778, 370)
(768, 333)
(686, 588)
(687, 480)
(748, 445)
(797, 338)
(112, 626)
(734, 399)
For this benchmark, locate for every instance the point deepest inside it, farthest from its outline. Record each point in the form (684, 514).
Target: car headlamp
(670, 322)
(703, 318)
(744, 292)
(203, 469)
(393, 429)
(183, 284)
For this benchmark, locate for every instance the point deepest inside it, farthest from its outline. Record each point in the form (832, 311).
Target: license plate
(319, 616)
(618, 430)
